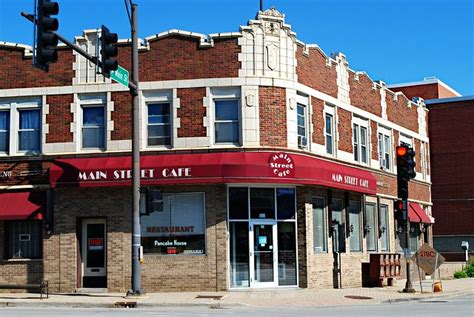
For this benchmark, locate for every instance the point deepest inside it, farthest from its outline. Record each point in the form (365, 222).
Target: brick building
(275, 160)
(452, 145)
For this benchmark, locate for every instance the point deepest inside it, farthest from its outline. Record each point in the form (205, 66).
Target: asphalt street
(440, 307)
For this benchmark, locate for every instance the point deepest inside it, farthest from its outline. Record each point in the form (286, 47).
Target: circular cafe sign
(282, 165)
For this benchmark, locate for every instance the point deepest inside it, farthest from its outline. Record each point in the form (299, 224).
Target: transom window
(93, 127)
(159, 124)
(227, 121)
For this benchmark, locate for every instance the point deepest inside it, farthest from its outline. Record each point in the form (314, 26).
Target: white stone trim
(250, 116)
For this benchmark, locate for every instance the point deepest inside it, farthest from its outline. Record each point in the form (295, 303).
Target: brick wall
(452, 154)
(17, 71)
(374, 140)
(272, 108)
(191, 112)
(387, 185)
(344, 128)
(312, 71)
(318, 120)
(178, 57)
(398, 112)
(59, 118)
(417, 149)
(159, 273)
(363, 95)
(20, 174)
(121, 116)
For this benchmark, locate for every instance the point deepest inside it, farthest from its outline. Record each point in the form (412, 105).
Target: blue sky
(392, 40)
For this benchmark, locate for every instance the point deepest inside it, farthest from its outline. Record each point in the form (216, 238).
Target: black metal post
(136, 234)
(408, 285)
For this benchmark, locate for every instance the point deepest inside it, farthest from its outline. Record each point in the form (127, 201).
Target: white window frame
(225, 94)
(170, 124)
(92, 101)
(358, 124)
(330, 111)
(424, 162)
(305, 123)
(154, 97)
(383, 151)
(14, 107)
(404, 139)
(325, 226)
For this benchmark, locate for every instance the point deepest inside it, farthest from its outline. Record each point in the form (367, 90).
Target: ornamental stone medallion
(272, 55)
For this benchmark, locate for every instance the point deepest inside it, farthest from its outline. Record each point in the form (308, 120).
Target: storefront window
(238, 203)
(319, 225)
(384, 236)
(338, 227)
(262, 203)
(239, 254)
(24, 239)
(355, 228)
(370, 228)
(178, 229)
(414, 235)
(285, 203)
(286, 253)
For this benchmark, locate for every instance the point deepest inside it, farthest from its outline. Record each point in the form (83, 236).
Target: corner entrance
(262, 237)
(94, 255)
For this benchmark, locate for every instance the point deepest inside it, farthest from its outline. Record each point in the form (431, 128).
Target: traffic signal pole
(136, 234)
(408, 285)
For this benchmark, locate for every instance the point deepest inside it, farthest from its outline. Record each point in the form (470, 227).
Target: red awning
(226, 167)
(22, 206)
(417, 214)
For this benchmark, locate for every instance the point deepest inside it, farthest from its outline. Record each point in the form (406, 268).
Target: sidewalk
(254, 298)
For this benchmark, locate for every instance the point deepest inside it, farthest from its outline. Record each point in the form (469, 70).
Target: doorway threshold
(268, 289)
(91, 290)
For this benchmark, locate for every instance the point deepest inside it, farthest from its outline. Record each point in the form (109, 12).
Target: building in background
(451, 130)
(276, 163)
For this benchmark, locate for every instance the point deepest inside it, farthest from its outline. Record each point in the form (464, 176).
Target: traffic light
(400, 213)
(405, 169)
(154, 200)
(46, 40)
(108, 42)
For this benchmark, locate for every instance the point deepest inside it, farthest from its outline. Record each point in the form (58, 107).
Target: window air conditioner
(302, 142)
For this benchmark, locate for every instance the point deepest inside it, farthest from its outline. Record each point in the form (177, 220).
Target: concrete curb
(419, 298)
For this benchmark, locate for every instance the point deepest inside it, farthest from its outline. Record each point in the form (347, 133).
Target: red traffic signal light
(401, 150)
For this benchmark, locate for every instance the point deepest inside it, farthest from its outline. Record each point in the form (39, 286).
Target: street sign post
(120, 75)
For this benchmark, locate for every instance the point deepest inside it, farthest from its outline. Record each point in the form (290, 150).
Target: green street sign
(120, 75)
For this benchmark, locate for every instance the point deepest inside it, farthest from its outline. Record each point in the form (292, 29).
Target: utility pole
(136, 289)
(408, 285)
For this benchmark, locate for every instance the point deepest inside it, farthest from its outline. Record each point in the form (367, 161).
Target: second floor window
(159, 124)
(4, 131)
(227, 121)
(360, 143)
(385, 146)
(301, 118)
(93, 127)
(29, 135)
(329, 129)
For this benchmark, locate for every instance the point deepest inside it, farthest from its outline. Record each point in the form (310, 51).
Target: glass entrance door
(94, 267)
(263, 259)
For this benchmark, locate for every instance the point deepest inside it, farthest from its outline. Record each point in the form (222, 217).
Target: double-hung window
(93, 127)
(159, 124)
(29, 135)
(227, 121)
(329, 132)
(4, 131)
(384, 148)
(302, 126)
(360, 137)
